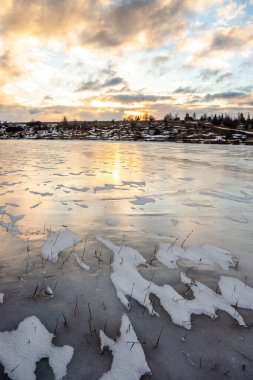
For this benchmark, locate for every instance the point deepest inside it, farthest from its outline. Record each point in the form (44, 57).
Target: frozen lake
(136, 195)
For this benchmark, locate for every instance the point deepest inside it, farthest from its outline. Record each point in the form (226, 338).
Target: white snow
(1, 297)
(81, 263)
(207, 254)
(129, 283)
(206, 301)
(142, 201)
(129, 362)
(22, 348)
(236, 292)
(58, 241)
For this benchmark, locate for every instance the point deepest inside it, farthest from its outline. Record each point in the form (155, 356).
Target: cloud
(185, 90)
(222, 77)
(208, 73)
(139, 98)
(93, 85)
(225, 95)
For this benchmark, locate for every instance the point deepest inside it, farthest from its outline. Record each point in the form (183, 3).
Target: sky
(108, 59)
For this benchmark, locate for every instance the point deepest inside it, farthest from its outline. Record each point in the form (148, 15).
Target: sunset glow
(106, 59)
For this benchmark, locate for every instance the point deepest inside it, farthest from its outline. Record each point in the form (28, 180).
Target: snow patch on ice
(129, 283)
(169, 254)
(236, 292)
(129, 362)
(22, 348)
(1, 297)
(81, 263)
(56, 242)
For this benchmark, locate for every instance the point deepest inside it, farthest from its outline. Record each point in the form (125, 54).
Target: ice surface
(22, 348)
(129, 362)
(245, 198)
(58, 241)
(111, 222)
(10, 224)
(206, 254)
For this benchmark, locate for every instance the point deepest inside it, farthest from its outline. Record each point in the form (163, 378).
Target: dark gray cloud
(208, 74)
(185, 90)
(224, 95)
(135, 98)
(222, 77)
(34, 111)
(95, 85)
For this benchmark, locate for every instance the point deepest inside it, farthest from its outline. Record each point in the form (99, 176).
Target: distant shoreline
(177, 131)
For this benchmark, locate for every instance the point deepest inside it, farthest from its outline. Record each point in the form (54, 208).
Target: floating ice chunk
(1, 297)
(236, 292)
(206, 254)
(22, 348)
(142, 201)
(111, 222)
(58, 241)
(81, 263)
(129, 362)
